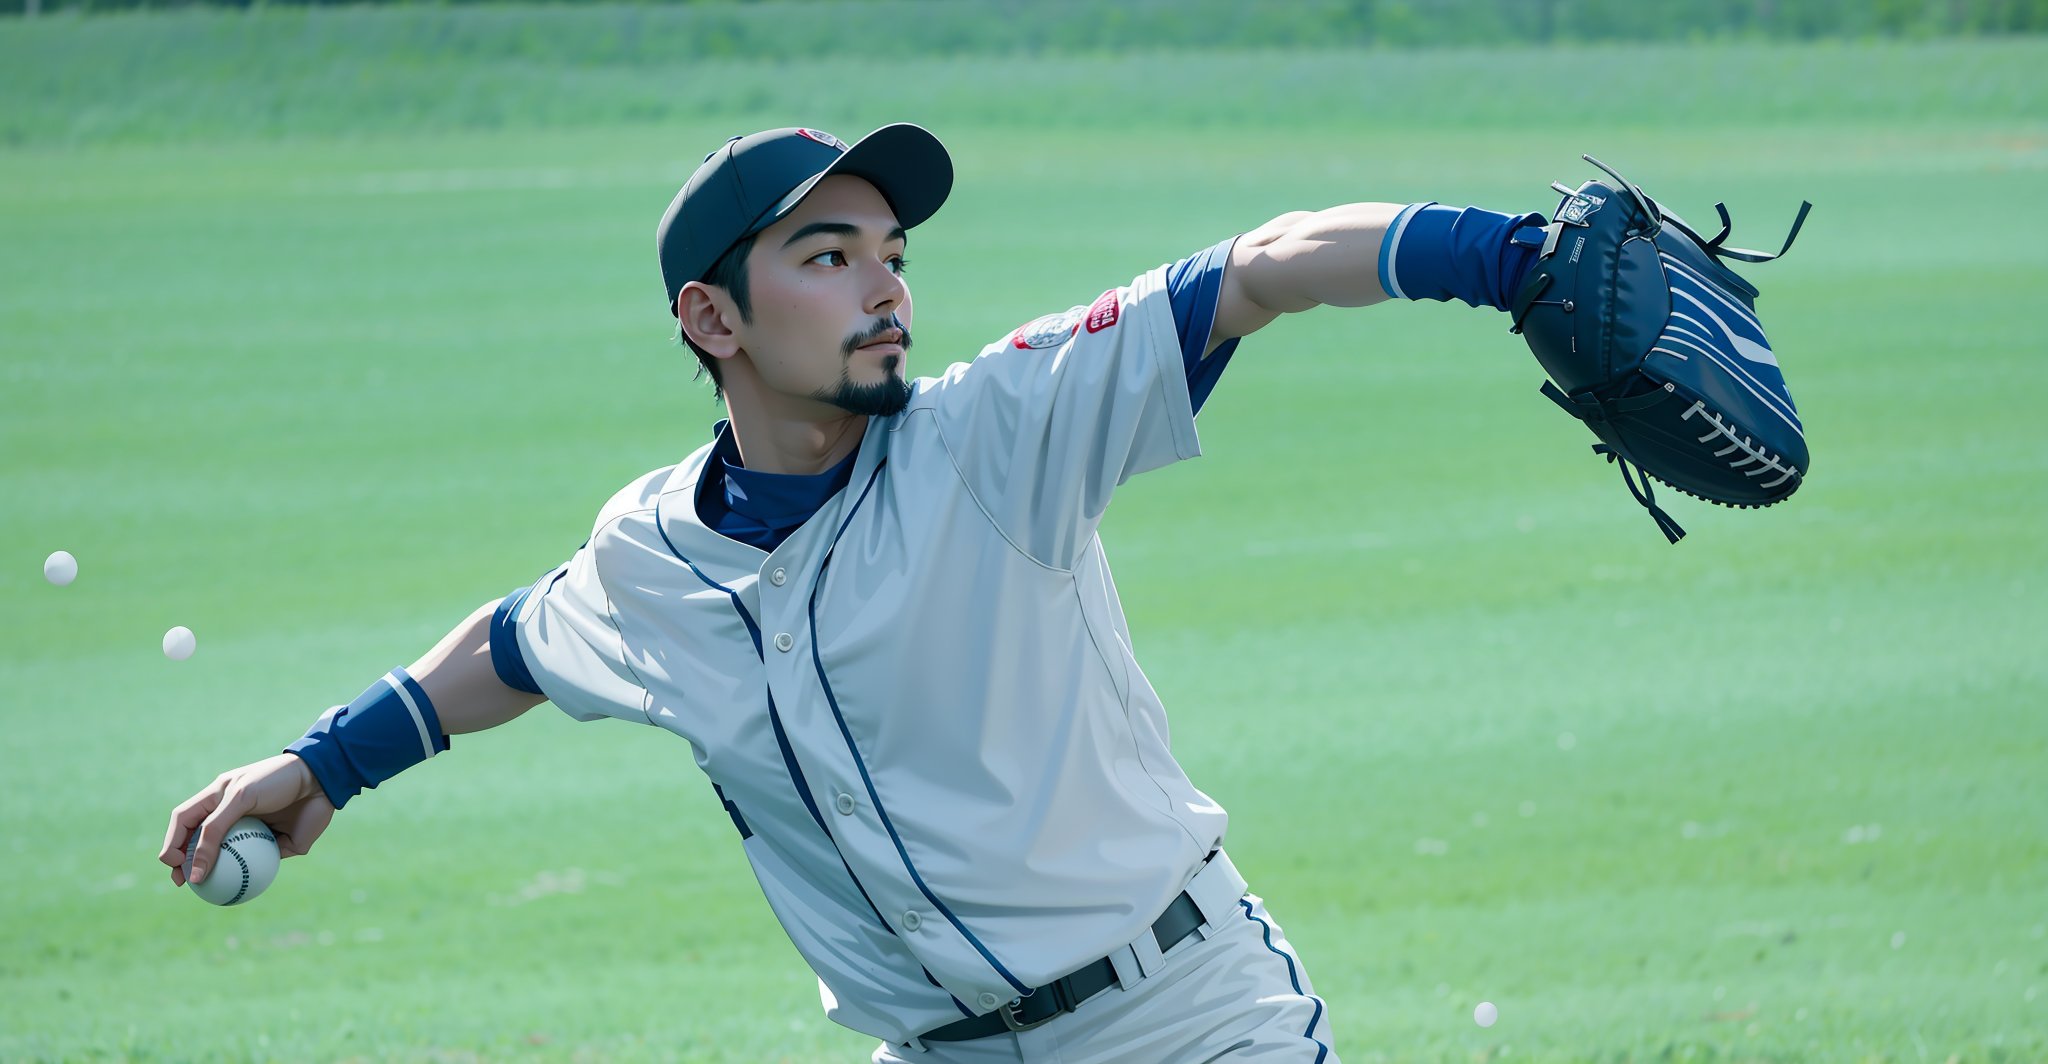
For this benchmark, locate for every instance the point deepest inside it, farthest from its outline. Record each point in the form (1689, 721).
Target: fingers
(275, 789)
(184, 818)
(204, 848)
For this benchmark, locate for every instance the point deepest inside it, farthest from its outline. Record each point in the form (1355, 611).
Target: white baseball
(1485, 1014)
(246, 865)
(60, 568)
(179, 643)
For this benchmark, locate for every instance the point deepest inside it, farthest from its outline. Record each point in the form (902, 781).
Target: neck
(782, 435)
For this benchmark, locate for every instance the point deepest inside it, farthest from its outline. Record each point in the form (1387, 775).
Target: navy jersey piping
(803, 789)
(861, 764)
(733, 811)
(796, 772)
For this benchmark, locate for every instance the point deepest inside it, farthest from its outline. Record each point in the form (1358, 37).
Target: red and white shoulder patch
(1103, 314)
(1050, 330)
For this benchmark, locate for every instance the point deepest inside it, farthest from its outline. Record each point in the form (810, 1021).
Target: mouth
(889, 343)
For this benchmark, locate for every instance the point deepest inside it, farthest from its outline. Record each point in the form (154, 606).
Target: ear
(705, 313)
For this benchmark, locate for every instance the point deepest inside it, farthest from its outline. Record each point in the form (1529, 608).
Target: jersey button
(779, 577)
(845, 805)
(783, 642)
(911, 920)
(988, 1001)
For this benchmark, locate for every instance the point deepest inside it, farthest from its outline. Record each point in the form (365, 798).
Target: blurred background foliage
(711, 28)
(86, 75)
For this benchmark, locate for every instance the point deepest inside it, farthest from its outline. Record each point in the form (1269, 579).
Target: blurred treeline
(212, 74)
(790, 28)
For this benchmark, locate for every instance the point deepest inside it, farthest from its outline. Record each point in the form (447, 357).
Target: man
(979, 840)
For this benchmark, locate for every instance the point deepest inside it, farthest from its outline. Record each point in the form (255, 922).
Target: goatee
(884, 398)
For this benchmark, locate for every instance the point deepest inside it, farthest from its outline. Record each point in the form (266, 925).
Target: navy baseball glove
(1655, 345)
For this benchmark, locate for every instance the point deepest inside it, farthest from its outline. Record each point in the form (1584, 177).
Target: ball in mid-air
(60, 568)
(179, 643)
(1485, 1014)
(246, 865)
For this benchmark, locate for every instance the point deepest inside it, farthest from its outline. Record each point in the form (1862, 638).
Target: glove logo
(1579, 208)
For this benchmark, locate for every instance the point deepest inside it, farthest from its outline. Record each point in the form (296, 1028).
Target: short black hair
(729, 273)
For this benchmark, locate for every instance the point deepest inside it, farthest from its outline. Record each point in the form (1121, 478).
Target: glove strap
(1716, 247)
(1756, 256)
(1643, 494)
(1590, 409)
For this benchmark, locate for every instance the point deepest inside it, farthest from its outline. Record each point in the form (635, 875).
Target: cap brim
(903, 161)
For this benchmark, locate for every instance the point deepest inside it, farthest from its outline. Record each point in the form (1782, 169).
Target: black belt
(1067, 992)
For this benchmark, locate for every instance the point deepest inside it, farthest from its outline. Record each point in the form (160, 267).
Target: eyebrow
(840, 229)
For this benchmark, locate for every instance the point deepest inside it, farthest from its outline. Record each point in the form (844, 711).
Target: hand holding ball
(246, 865)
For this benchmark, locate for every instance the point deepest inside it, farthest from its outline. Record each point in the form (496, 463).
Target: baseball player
(877, 609)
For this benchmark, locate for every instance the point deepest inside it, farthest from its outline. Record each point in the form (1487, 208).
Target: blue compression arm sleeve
(1443, 253)
(389, 728)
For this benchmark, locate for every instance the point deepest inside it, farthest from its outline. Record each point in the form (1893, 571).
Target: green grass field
(317, 389)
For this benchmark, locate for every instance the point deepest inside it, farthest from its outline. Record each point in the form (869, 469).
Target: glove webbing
(1657, 216)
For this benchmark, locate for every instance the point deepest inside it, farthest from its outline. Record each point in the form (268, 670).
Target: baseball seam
(227, 847)
(241, 864)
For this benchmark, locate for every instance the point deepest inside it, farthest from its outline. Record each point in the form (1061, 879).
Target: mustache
(874, 333)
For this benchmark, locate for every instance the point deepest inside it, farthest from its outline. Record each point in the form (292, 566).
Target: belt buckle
(1010, 1017)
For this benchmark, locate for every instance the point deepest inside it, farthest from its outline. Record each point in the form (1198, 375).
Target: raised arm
(1362, 253)
(462, 693)
(1302, 260)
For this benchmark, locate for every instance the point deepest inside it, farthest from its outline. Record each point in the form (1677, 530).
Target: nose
(888, 292)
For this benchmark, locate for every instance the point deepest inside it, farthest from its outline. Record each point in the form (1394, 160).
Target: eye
(899, 264)
(840, 255)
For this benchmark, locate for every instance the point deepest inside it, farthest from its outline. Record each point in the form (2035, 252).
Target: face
(831, 312)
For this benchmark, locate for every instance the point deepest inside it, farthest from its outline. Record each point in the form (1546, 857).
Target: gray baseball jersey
(922, 710)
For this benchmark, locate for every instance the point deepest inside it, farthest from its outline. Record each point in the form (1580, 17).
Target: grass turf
(1483, 734)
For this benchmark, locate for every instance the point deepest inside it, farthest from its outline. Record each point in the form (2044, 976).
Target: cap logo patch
(826, 139)
(1103, 314)
(1050, 330)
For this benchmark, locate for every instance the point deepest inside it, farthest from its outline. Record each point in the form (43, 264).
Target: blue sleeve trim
(338, 779)
(430, 719)
(506, 660)
(389, 728)
(1392, 240)
(1195, 286)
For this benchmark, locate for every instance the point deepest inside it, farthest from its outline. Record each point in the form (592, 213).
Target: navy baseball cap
(743, 187)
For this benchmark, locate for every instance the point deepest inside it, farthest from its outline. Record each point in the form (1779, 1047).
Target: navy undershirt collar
(762, 509)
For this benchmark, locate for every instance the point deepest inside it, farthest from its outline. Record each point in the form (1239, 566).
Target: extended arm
(1302, 260)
